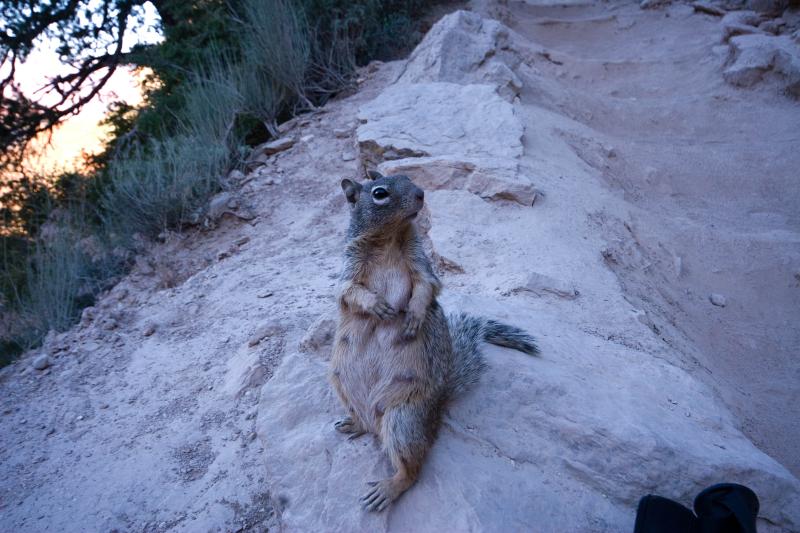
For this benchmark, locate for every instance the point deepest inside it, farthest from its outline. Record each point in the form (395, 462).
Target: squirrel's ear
(374, 175)
(351, 190)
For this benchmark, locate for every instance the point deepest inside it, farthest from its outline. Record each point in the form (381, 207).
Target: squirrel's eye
(379, 193)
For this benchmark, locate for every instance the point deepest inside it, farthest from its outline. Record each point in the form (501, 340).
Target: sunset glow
(82, 133)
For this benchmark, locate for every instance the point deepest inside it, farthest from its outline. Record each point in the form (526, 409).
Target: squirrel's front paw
(382, 309)
(411, 325)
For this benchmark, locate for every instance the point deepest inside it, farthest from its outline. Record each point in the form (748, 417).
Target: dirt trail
(189, 399)
(714, 168)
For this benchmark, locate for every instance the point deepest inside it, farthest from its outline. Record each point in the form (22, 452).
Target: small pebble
(41, 362)
(718, 299)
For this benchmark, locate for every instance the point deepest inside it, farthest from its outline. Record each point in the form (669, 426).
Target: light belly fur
(368, 360)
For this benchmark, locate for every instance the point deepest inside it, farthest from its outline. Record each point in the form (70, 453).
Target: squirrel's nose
(420, 193)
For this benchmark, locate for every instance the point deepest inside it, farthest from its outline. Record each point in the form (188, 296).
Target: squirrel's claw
(411, 325)
(349, 426)
(383, 310)
(379, 496)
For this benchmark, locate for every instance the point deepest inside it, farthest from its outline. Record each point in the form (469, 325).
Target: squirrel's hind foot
(382, 493)
(350, 427)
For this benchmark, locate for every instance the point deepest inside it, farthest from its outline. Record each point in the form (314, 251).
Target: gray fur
(467, 332)
(396, 358)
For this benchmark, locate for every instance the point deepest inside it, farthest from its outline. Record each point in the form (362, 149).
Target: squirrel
(397, 358)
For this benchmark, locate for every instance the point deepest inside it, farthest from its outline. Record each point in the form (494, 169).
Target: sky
(82, 132)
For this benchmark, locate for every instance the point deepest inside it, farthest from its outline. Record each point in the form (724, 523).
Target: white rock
(41, 362)
(533, 434)
(708, 8)
(319, 337)
(236, 176)
(265, 330)
(743, 17)
(464, 47)
(739, 23)
(752, 56)
(273, 147)
(717, 299)
(541, 285)
(439, 119)
(448, 172)
(425, 129)
(218, 205)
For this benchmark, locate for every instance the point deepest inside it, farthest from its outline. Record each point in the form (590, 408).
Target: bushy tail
(466, 333)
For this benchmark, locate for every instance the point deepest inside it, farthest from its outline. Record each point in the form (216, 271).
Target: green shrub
(156, 186)
(58, 278)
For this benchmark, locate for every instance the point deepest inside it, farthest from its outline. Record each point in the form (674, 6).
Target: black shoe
(726, 507)
(723, 508)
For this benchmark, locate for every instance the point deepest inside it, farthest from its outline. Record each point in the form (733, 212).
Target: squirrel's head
(382, 205)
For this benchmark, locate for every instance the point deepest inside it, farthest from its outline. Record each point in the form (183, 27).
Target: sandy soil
(715, 169)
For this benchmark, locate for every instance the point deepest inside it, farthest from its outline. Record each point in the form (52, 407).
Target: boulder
(435, 133)
(448, 172)
(742, 22)
(753, 56)
(424, 119)
(465, 48)
(533, 434)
